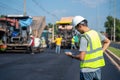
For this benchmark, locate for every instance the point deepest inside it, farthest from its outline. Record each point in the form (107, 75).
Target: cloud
(90, 3)
(59, 12)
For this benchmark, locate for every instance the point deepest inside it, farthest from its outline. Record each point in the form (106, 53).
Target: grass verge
(115, 51)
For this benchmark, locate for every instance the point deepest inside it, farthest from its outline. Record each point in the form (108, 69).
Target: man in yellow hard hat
(92, 46)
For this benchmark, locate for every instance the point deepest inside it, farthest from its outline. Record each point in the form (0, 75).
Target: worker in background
(73, 46)
(43, 42)
(58, 41)
(76, 40)
(3, 45)
(92, 46)
(37, 43)
(31, 44)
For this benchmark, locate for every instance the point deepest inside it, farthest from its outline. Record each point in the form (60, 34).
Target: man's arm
(106, 43)
(30, 42)
(80, 56)
(82, 50)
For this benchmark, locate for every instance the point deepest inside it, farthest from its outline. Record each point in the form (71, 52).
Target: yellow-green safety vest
(73, 41)
(94, 55)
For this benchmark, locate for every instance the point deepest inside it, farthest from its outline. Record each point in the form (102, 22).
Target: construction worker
(92, 46)
(73, 46)
(3, 45)
(76, 40)
(58, 41)
(31, 44)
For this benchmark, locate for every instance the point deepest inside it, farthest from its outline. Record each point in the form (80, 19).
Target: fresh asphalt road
(46, 66)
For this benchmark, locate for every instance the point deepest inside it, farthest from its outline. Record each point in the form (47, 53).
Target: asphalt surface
(47, 65)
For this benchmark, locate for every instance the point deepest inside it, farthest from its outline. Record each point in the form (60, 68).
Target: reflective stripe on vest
(94, 55)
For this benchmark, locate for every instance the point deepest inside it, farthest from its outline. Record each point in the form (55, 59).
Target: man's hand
(79, 56)
(68, 53)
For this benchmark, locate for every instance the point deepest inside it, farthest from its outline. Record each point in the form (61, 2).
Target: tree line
(109, 26)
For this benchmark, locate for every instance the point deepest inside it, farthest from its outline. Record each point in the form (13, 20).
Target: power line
(42, 8)
(110, 7)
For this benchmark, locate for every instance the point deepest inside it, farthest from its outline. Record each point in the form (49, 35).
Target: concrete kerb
(114, 59)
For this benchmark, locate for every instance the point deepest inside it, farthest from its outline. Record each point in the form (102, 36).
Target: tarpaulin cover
(25, 22)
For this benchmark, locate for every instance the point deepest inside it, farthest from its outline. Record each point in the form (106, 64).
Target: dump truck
(17, 30)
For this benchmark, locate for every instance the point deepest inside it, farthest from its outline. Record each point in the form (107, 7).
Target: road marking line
(113, 54)
(115, 63)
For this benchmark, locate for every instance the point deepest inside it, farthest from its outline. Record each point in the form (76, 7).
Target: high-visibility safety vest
(94, 55)
(73, 41)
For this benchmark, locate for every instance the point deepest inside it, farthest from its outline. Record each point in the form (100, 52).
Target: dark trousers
(31, 49)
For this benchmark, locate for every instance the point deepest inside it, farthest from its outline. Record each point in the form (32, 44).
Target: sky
(95, 11)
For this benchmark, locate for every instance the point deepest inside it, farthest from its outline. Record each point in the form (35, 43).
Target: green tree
(109, 25)
(118, 30)
(55, 29)
(50, 25)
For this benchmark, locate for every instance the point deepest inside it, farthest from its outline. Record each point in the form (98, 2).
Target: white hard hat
(76, 20)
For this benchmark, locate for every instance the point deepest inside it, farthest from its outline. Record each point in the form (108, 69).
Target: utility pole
(53, 33)
(114, 21)
(98, 18)
(24, 8)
